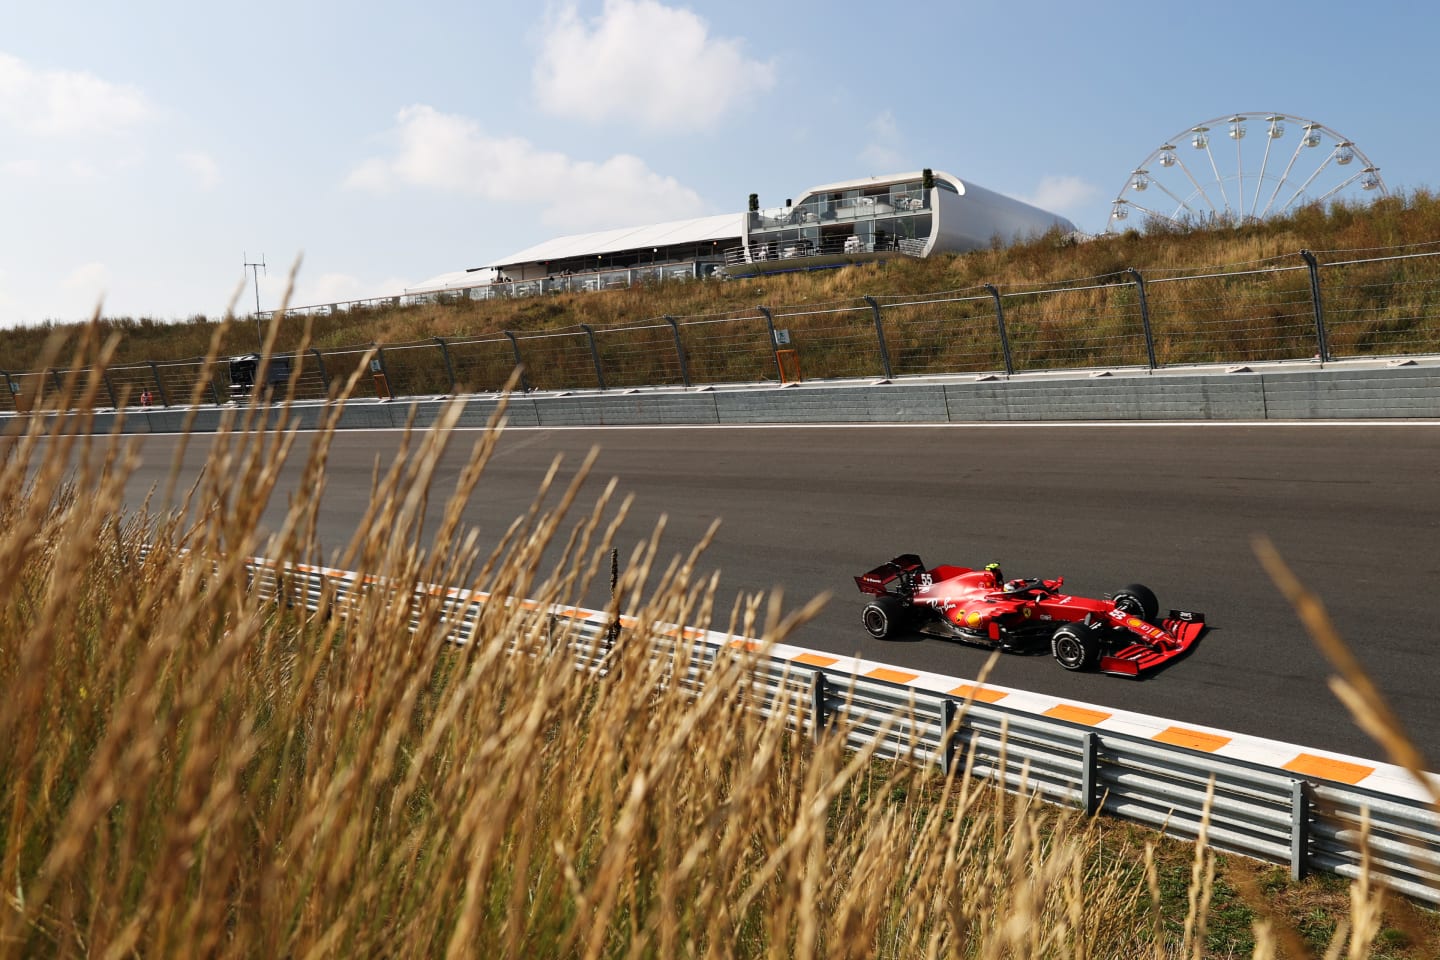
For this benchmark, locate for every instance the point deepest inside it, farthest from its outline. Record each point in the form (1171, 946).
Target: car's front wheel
(1075, 646)
(1137, 600)
(883, 617)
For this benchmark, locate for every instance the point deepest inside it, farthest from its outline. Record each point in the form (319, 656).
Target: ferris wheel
(1260, 177)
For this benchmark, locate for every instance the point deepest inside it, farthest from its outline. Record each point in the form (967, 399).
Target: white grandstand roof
(725, 226)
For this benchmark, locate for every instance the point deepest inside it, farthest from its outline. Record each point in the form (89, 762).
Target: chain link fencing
(1325, 306)
(941, 334)
(1247, 316)
(1381, 306)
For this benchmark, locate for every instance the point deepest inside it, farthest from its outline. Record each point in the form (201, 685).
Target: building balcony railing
(571, 282)
(827, 246)
(505, 289)
(824, 209)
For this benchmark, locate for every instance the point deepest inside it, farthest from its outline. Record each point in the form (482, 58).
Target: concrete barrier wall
(1353, 393)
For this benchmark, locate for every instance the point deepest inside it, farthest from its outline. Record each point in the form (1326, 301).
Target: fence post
(159, 387)
(817, 706)
(320, 364)
(1299, 829)
(679, 350)
(515, 348)
(55, 379)
(1314, 265)
(948, 709)
(1144, 314)
(449, 367)
(209, 382)
(109, 388)
(612, 632)
(774, 347)
(384, 371)
(880, 336)
(594, 355)
(1089, 773)
(1000, 322)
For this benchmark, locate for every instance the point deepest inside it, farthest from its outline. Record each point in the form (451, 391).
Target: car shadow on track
(1041, 649)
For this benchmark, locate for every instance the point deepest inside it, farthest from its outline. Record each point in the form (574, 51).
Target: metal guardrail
(1260, 811)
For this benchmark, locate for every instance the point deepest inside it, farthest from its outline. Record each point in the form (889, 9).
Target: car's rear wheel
(883, 617)
(1075, 646)
(1137, 600)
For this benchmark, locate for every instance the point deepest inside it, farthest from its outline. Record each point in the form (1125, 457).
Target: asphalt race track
(1355, 509)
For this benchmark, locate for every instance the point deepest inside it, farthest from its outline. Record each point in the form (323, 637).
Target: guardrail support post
(817, 706)
(515, 349)
(159, 387)
(1000, 322)
(1089, 775)
(320, 365)
(679, 350)
(1314, 265)
(594, 355)
(1144, 314)
(948, 710)
(880, 336)
(774, 347)
(449, 367)
(1299, 829)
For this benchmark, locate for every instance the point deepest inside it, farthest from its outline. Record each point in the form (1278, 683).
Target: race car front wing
(1153, 645)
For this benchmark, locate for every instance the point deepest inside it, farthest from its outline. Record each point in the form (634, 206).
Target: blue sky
(147, 149)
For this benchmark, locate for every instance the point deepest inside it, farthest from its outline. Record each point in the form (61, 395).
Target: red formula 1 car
(1120, 634)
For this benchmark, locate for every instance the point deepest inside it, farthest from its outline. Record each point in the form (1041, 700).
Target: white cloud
(81, 168)
(1062, 194)
(881, 155)
(373, 174)
(88, 283)
(23, 168)
(331, 288)
(62, 103)
(454, 155)
(344, 288)
(644, 62)
(93, 276)
(202, 167)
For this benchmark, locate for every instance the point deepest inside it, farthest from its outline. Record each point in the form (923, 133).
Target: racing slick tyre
(1137, 600)
(1075, 646)
(883, 617)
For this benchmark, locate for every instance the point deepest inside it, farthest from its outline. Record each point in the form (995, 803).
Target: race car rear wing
(904, 568)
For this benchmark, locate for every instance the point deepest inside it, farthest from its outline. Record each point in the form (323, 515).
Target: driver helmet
(993, 569)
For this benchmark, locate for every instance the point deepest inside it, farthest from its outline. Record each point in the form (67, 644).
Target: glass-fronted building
(916, 214)
(911, 214)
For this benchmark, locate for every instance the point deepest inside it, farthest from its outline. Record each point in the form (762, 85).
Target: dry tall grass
(189, 770)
